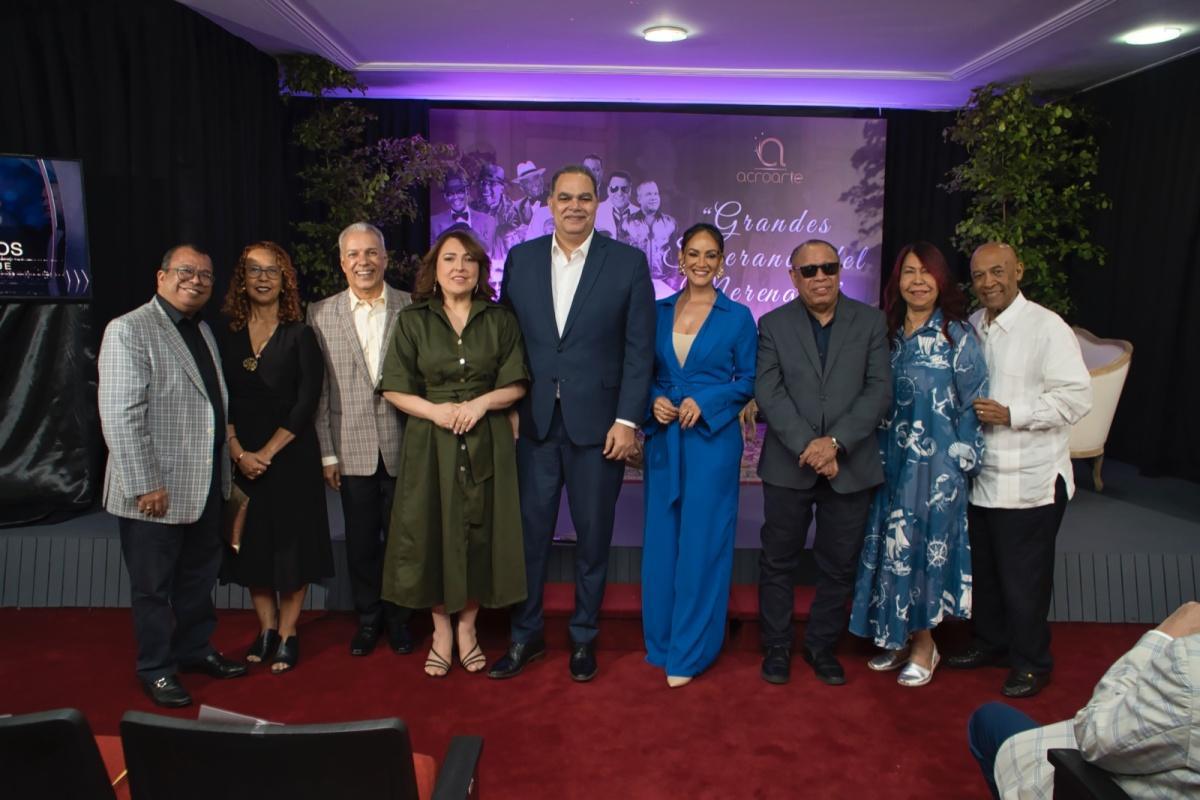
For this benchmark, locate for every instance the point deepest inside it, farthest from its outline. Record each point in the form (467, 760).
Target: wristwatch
(836, 446)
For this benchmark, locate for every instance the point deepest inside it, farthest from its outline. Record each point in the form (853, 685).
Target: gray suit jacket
(801, 401)
(156, 417)
(353, 420)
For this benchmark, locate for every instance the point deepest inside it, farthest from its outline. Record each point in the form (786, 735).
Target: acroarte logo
(772, 167)
(13, 249)
(776, 151)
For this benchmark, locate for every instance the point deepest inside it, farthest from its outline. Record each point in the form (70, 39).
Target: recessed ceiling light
(1152, 35)
(665, 33)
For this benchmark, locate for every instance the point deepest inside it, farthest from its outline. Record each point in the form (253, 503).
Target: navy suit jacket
(603, 364)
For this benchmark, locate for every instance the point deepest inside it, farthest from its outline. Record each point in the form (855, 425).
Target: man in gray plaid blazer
(359, 431)
(163, 410)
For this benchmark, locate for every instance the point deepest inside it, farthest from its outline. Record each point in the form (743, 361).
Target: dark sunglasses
(810, 270)
(621, 189)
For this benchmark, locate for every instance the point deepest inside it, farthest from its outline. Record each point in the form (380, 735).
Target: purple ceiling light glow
(669, 90)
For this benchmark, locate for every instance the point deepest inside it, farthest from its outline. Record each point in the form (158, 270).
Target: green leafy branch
(346, 179)
(1029, 171)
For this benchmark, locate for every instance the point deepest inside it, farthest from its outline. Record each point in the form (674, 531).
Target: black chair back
(178, 759)
(51, 754)
(1076, 779)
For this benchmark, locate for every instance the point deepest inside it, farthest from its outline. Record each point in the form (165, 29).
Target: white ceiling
(868, 53)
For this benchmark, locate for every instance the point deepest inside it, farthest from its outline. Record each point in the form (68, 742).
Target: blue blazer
(718, 374)
(602, 365)
(719, 370)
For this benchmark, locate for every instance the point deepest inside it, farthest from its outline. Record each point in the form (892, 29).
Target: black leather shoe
(519, 654)
(973, 658)
(777, 665)
(218, 666)
(1024, 684)
(583, 662)
(825, 666)
(364, 640)
(167, 692)
(400, 639)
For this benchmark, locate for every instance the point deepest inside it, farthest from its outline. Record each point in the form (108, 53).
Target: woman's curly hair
(237, 305)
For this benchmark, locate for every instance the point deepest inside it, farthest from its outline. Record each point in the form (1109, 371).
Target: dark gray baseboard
(60, 570)
(1119, 559)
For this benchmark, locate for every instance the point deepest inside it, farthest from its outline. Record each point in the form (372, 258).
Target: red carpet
(727, 735)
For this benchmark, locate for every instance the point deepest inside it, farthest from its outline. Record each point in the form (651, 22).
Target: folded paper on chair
(235, 517)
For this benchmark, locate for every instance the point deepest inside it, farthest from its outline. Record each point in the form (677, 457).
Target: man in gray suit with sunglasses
(823, 383)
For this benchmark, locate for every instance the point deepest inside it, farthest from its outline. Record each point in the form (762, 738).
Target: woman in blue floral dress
(915, 566)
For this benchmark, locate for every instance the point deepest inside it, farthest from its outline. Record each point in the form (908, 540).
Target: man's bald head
(996, 274)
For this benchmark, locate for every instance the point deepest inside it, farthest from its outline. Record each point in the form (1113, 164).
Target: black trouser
(367, 511)
(841, 524)
(1012, 564)
(172, 570)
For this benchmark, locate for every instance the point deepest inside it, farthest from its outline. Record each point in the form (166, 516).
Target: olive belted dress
(455, 533)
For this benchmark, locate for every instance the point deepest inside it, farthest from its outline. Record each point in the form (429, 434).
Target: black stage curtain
(1149, 289)
(914, 206)
(178, 126)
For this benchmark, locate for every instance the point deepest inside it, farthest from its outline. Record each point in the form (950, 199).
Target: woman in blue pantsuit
(705, 346)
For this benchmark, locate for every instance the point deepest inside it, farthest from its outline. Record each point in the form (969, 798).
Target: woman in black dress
(275, 371)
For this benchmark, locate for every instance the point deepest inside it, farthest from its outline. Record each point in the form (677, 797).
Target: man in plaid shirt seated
(1142, 723)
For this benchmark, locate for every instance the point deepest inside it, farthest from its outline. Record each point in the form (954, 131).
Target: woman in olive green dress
(455, 363)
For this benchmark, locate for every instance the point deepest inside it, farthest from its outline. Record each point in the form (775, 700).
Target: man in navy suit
(586, 310)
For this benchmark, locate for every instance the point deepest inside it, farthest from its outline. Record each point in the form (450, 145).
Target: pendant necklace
(250, 364)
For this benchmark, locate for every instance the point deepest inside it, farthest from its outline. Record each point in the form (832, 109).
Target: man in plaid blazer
(163, 410)
(359, 431)
(1141, 725)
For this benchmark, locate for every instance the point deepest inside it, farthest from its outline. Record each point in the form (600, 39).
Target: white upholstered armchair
(1108, 362)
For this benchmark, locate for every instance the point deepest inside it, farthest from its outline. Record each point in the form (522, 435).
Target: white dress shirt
(1035, 368)
(565, 273)
(370, 317)
(1141, 725)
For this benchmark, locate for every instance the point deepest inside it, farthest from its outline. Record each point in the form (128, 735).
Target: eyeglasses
(621, 189)
(192, 274)
(255, 271)
(810, 270)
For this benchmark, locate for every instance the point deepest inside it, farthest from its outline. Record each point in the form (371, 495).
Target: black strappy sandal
(435, 660)
(474, 658)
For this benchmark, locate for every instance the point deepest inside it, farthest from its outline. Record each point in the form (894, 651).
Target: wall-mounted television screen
(43, 230)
